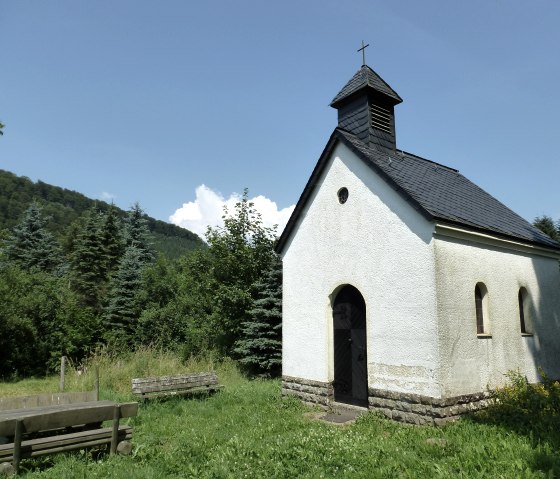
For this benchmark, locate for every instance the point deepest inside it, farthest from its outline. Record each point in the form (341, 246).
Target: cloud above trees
(208, 208)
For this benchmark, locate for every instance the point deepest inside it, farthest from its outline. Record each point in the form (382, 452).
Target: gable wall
(378, 243)
(471, 363)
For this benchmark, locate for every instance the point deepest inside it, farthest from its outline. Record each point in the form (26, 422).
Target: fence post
(62, 372)
(96, 383)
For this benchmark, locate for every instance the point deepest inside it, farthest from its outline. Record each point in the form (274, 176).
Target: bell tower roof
(365, 79)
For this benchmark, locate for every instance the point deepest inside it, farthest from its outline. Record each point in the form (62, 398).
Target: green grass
(249, 430)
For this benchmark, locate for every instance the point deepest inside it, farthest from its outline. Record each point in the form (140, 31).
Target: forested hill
(64, 206)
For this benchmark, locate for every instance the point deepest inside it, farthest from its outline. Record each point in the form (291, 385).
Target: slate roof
(365, 77)
(436, 191)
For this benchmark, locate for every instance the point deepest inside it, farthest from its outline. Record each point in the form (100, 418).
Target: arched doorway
(350, 349)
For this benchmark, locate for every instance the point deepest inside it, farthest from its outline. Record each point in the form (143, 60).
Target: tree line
(101, 284)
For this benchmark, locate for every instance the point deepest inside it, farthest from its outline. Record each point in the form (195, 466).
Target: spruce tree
(112, 239)
(547, 225)
(260, 345)
(88, 262)
(123, 308)
(136, 233)
(31, 246)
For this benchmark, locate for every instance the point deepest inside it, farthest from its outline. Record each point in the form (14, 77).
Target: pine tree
(123, 310)
(136, 232)
(260, 345)
(32, 246)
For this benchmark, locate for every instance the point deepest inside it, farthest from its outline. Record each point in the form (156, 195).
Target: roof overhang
(447, 230)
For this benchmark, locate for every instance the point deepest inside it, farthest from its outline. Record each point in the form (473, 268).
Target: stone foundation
(310, 392)
(403, 407)
(417, 409)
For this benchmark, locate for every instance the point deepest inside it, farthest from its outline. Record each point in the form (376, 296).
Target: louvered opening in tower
(380, 118)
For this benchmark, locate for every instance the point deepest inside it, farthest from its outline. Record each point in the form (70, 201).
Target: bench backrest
(173, 383)
(51, 399)
(48, 418)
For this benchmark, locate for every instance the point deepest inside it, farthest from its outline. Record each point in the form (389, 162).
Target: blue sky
(147, 101)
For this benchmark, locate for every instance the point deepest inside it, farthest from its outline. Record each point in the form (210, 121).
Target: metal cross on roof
(363, 50)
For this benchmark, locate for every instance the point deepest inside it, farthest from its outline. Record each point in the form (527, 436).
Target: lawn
(249, 430)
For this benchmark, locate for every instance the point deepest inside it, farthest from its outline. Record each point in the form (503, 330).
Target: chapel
(406, 287)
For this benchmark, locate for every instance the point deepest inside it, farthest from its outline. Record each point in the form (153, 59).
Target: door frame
(361, 370)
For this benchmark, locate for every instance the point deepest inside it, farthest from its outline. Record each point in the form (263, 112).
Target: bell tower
(366, 108)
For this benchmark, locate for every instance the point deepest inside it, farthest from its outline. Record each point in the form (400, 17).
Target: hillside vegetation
(100, 283)
(62, 207)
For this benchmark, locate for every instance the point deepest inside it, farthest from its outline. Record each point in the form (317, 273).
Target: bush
(524, 403)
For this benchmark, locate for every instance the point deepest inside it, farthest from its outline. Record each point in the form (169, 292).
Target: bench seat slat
(181, 392)
(170, 387)
(64, 442)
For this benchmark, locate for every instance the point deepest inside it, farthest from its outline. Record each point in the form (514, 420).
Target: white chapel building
(406, 287)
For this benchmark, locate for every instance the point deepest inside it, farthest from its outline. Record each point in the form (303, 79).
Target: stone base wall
(403, 407)
(417, 409)
(310, 392)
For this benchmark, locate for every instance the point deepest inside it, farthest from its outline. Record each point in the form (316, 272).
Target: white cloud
(108, 197)
(208, 208)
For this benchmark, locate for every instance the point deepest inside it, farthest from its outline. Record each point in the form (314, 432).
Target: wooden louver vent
(380, 118)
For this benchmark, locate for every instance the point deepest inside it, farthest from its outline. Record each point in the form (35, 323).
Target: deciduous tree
(241, 251)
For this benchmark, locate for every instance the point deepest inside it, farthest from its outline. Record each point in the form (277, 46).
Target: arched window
(481, 308)
(524, 311)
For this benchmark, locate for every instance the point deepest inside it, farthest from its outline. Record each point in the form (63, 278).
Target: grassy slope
(248, 430)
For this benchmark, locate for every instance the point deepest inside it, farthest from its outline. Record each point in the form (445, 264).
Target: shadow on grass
(541, 428)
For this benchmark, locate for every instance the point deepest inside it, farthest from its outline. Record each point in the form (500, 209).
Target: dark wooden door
(350, 351)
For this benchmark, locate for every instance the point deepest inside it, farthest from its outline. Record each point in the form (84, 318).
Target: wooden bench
(39, 428)
(184, 384)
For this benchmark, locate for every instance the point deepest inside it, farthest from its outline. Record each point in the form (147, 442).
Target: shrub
(524, 403)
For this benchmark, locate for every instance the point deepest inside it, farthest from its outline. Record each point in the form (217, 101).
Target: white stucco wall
(378, 243)
(471, 363)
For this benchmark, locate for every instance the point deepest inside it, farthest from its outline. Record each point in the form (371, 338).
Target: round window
(342, 195)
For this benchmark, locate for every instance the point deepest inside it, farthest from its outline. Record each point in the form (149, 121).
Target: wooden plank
(165, 386)
(182, 392)
(171, 387)
(172, 379)
(44, 445)
(129, 409)
(56, 417)
(51, 399)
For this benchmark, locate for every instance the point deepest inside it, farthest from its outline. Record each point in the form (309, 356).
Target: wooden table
(15, 423)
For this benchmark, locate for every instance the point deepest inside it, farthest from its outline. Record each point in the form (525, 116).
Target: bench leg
(115, 435)
(17, 444)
